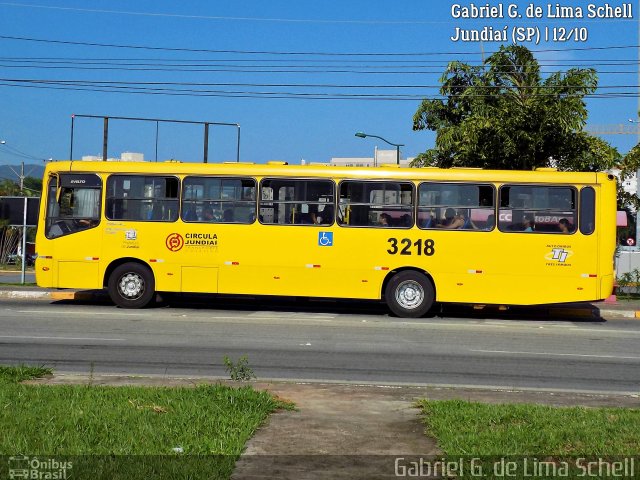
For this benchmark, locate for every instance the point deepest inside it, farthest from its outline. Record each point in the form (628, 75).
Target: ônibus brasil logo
(174, 242)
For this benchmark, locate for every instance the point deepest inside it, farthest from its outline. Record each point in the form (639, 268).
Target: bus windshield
(74, 206)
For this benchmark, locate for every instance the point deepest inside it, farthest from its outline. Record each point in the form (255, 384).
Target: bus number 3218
(404, 247)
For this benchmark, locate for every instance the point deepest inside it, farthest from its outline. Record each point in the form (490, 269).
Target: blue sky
(307, 41)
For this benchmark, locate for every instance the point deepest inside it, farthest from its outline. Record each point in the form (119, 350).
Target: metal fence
(17, 214)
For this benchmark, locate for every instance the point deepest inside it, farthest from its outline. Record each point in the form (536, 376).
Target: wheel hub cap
(131, 286)
(410, 295)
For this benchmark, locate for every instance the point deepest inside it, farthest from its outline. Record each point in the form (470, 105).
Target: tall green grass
(542, 433)
(206, 426)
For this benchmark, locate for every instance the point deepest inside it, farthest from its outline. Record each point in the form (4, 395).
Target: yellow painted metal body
(466, 266)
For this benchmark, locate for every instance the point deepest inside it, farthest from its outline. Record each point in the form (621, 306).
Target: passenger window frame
(533, 210)
(140, 199)
(220, 200)
(304, 218)
(444, 206)
(411, 205)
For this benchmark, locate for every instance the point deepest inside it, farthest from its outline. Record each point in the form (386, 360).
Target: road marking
(70, 312)
(63, 338)
(557, 354)
(311, 315)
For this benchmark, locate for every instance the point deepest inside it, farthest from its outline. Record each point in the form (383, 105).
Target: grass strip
(22, 372)
(538, 438)
(207, 426)
(469, 428)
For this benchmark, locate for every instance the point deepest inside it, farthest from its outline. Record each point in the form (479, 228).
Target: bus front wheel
(131, 285)
(409, 294)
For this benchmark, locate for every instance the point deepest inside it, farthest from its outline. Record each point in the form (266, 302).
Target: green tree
(9, 188)
(32, 186)
(504, 115)
(628, 167)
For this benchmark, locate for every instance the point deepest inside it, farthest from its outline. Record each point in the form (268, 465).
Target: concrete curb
(621, 313)
(400, 389)
(24, 294)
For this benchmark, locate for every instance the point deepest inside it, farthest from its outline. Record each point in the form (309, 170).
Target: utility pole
(20, 176)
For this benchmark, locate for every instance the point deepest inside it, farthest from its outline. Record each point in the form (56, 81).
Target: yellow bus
(407, 236)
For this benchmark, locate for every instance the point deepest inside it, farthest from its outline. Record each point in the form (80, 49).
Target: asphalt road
(323, 341)
(16, 277)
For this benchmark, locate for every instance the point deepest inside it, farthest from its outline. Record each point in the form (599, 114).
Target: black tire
(409, 294)
(132, 285)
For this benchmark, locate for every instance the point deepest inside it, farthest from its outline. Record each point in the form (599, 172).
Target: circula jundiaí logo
(174, 242)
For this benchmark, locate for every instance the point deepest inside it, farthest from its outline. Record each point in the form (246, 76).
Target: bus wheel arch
(130, 283)
(409, 292)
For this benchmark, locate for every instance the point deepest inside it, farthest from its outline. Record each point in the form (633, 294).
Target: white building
(630, 185)
(380, 157)
(124, 157)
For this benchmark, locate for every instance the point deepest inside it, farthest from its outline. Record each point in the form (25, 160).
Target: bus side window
(215, 199)
(587, 210)
(292, 201)
(367, 202)
(456, 206)
(537, 209)
(145, 198)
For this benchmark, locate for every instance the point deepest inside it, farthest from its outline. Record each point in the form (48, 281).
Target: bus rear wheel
(409, 294)
(131, 285)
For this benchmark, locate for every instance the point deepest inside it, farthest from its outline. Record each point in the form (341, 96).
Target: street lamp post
(397, 145)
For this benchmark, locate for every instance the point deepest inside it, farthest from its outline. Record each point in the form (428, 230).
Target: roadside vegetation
(540, 433)
(131, 432)
(629, 285)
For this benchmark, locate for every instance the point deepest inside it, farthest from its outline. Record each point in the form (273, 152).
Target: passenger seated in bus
(207, 214)
(325, 217)
(452, 220)
(190, 215)
(565, 226)
(384, 220)
(227, 216)
(405, 220)
(491, 220)
(528, 223)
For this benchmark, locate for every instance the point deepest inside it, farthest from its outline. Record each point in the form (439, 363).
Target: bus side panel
(44, 269)
(199, 279)
(148, 243)
(527, 269)
(78, 274)
(606, 201)
(45, 250)
(77, 258)
(297, 261)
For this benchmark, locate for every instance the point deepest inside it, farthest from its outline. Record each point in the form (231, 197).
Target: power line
(283, 95)
(19, 153)
(472, 61)
(298, 63)
(266, 52)
(263, 69)
(104, 83)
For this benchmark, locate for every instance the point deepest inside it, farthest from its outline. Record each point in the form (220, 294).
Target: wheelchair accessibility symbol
(325, 239)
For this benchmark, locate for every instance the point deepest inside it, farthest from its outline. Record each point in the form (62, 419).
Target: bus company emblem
(560, 255)
(174, 242)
